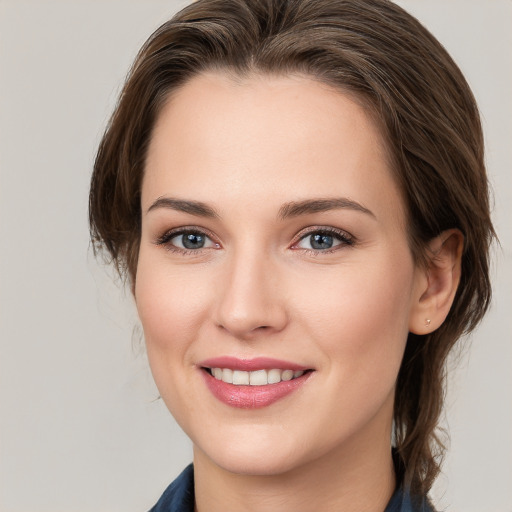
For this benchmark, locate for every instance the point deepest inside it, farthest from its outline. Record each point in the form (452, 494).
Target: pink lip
(249, 365)
(251, 397)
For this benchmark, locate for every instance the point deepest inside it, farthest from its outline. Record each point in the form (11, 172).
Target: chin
(256, 458)
(255, 464)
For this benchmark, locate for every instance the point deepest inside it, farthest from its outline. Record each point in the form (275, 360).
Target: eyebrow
(192, 207)
(308, 206)
(287, 210)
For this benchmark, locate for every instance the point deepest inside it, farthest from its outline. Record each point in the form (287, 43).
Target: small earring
(427, 322)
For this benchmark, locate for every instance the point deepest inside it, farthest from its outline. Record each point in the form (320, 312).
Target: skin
(245, 148)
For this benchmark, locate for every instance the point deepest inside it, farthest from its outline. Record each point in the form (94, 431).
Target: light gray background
(80, 429)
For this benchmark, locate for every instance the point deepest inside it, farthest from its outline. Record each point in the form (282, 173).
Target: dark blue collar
(179, 497)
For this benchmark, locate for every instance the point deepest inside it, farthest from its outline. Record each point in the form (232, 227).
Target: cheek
(171, 307)
(360, 314)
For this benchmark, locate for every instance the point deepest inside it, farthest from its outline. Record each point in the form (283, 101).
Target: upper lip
(257, 363)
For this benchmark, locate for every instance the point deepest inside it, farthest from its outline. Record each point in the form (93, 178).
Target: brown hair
(370, 48)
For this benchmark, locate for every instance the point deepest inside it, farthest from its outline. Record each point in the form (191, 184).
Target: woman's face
(273, 243)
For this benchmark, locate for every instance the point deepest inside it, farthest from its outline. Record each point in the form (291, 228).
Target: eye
(324, 240)
(189, 240)
(185, 240)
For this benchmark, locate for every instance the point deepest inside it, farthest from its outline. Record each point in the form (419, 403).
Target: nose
(250, 300)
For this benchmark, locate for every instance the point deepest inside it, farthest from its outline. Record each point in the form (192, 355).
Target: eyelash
(345, 239)
(165, 239)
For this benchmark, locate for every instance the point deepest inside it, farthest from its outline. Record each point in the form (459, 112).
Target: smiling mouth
(254, 378)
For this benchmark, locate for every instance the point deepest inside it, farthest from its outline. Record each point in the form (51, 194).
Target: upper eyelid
(164, 240)
(323, 229)
(170, 233)
(345, 238)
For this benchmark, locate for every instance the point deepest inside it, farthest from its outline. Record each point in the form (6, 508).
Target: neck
(358, 476)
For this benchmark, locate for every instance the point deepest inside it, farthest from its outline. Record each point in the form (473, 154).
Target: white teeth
(256, 378)
(227, 375)
(287, 375)
(274, 376)
(240, 377)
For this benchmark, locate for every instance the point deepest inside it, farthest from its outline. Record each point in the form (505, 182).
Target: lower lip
(252, 397)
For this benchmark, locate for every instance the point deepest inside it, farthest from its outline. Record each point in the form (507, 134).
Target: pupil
(192, 241)
(320, 241)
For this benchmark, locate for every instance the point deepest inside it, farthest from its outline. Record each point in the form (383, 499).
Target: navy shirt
(179, 497)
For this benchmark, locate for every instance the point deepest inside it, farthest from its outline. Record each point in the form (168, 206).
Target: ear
(437, 282)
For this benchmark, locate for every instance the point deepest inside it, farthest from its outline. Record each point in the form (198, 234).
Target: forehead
(273, 137)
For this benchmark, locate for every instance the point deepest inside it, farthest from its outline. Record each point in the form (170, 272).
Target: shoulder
(179, 496)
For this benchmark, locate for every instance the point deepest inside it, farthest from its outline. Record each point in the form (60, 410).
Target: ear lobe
(438, 283)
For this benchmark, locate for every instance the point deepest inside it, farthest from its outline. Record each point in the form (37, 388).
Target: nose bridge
(249, 298)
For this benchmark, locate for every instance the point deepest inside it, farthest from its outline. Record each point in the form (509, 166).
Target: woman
(296, 192)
